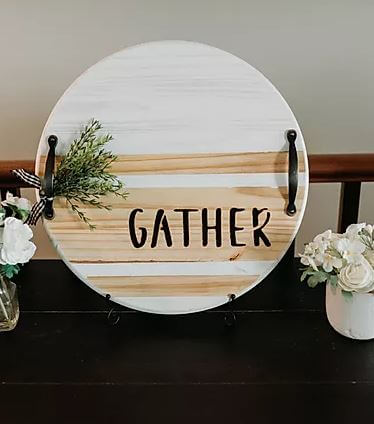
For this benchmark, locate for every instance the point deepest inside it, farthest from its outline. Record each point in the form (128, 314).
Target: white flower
(16, 247)
(329, 262)
(350, 249)
(309, 257)
(353, 230)
(369, 228)
(308, 261)
(18, 202)
(322, 241)
(358, 277)
(310, 249)
(327, 235)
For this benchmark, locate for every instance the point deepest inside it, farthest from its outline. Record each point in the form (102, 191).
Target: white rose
(358, 277)
(16, 247)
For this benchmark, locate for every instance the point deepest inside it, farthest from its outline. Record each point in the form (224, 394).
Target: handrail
(348, 169)
(341, 168)
(329, 168)
(9, 180)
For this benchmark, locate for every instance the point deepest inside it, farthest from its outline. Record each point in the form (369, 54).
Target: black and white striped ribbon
(34, 181)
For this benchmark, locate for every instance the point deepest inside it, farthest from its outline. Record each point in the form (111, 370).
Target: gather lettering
(210, 223)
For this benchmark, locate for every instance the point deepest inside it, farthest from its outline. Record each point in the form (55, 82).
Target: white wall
(319, 54)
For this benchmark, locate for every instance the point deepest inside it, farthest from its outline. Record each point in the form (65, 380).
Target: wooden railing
(348, 169)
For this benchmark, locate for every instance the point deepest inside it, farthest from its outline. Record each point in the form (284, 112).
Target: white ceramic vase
(352, 317)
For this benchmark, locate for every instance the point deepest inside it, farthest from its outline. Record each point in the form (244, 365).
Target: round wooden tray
(200, 138)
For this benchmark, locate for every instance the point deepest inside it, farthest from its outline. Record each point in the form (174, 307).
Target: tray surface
(200, 139)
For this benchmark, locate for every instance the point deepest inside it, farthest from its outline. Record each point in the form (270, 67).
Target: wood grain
(208, 163)
(323, 168)
(110, 242)
(197, 285)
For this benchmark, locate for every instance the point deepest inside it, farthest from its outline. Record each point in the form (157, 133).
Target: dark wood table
(281, 362)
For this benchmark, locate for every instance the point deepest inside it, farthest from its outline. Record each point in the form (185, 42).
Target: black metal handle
(292, 172)
(48, 177)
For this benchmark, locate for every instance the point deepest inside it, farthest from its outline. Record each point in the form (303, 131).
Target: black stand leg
(113, 316)
(230, 316)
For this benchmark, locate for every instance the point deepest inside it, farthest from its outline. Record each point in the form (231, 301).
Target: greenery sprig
(10, 271)
(83, 175)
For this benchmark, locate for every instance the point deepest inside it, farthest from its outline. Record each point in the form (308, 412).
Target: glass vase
(9, 309)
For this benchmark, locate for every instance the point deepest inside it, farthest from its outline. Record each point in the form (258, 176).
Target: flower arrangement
(15, 245)
(341, 260)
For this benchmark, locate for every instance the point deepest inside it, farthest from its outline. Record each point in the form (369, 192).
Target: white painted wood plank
(175, 97)
(137, 269)
(173, 305)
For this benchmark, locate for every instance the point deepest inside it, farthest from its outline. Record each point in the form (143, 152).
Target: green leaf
(22, 214)
(304, 275)
(312, 281)
(306, 271)
(333, 280)
(347, 295)
(322, 276)
(9, 270)
(316, 278)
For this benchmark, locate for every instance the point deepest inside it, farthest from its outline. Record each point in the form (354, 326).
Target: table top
(282, 360)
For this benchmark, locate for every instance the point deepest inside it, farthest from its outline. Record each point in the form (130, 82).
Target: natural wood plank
(110, 242)
(202, 163)
(197, 285)
(323, 168)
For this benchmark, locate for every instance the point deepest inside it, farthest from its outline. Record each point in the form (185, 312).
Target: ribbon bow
(34, 181)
